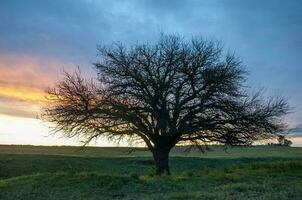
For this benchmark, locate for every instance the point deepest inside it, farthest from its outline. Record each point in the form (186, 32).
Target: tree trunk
(161, 159)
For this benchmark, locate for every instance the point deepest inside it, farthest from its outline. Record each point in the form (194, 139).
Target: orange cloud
(23, 93)
(23, 79)
(27, 70)
(21, 101)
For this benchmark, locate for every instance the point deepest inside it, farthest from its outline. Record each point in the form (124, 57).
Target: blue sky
(39, 38)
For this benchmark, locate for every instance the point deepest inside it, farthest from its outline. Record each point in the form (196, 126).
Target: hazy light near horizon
(19, 130)
(30, 131)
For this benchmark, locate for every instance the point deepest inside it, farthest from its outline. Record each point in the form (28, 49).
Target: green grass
(45, 173)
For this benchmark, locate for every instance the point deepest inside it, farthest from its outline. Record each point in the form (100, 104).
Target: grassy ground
(56, 173)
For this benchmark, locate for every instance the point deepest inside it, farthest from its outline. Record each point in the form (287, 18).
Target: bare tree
(283, 141)
(171, 92)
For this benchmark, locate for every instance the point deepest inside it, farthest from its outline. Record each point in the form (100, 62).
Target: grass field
(44, 173)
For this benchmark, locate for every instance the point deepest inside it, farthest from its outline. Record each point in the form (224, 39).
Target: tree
(171, 92)
(282, 141)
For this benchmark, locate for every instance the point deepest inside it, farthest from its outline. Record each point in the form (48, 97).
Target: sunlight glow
(29, 131)
(18, 130)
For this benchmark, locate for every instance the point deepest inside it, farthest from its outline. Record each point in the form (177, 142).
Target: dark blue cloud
(266, 34)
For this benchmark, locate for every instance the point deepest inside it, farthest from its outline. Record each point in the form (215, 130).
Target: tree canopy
(166, 93)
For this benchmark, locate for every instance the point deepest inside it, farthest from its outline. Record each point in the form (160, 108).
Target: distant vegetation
(282, 141)
(54, 173)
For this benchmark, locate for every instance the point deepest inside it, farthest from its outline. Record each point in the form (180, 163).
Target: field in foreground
(28, 172)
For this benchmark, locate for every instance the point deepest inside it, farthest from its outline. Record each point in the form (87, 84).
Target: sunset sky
(38, 39)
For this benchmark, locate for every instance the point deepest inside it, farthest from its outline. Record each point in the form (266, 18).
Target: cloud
(27, 70)
(23, 80)
(18, 108)
(37, 38)
(22, 94)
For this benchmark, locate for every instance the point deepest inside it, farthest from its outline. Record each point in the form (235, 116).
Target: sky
(38, 39)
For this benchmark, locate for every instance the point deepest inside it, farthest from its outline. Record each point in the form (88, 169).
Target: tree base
(161, 159)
